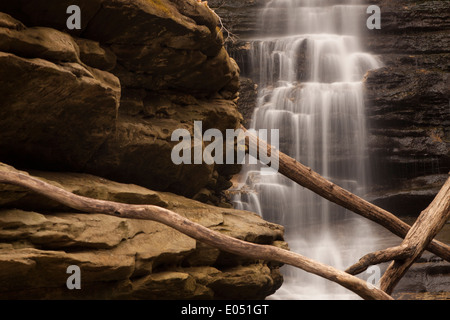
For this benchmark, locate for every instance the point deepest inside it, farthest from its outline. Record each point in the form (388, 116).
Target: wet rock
(408, 197)
(430, 277)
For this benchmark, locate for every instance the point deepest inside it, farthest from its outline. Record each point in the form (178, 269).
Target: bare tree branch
(194, 230)
(311, 180)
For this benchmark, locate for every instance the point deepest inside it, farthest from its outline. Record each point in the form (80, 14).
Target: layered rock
(240, 17)
(122, 258)
(105, 99)
(408, 99)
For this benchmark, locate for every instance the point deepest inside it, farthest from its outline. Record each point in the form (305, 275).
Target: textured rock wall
(408, 103)
(105, 99)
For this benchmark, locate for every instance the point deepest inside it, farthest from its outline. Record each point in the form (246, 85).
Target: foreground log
(426, 227)
(311, 180)
(223, 242)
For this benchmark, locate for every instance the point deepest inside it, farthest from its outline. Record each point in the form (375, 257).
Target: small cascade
(309, 67)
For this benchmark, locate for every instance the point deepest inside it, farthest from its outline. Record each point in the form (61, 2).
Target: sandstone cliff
(105, 99)
(102, 102)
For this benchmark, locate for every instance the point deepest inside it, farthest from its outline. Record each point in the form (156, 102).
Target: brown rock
(121, 258)
(6, 21)
(94, 55)
(172, 68)
(39, 42)
(50, 123)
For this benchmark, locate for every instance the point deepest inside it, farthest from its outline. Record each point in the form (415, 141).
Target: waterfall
(309, 67)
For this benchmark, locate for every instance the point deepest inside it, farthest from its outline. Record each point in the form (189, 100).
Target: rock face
(105, 99)
(121, 258)
(408, 102)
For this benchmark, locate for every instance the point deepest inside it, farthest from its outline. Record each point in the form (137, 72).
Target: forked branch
(426, 227)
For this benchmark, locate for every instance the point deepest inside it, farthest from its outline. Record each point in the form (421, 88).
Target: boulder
(50, 124)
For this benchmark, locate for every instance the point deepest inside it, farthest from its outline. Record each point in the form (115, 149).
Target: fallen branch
(374, 258)
(311, 180)
(426, 227)
(194, 230)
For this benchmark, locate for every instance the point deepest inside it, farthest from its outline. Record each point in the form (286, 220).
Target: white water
(310, 68)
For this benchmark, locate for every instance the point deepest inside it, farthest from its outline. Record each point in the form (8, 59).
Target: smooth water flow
(309, 67)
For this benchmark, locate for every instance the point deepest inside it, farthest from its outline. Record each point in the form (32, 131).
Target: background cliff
(409, 103)
(102, 103)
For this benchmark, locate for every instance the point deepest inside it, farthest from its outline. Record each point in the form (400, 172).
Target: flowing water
(309, 67)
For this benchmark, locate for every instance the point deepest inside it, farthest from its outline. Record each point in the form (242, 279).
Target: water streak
(309, 66)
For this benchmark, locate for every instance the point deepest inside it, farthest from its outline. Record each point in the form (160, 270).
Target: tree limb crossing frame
(416, 238)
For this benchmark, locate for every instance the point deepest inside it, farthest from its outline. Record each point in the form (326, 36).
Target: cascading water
(309, 67)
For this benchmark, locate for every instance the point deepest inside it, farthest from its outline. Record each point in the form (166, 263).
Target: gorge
(92, 111)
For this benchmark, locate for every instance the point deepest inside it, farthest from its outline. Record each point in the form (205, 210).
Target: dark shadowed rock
(51, 124)
(247, 99)
(408, 100)
(239, 16)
